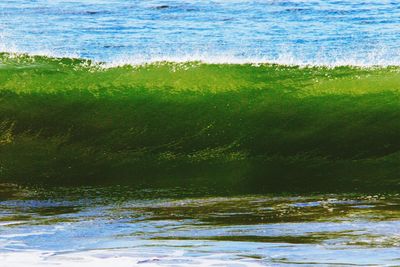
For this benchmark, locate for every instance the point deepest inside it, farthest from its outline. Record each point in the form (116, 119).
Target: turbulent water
(122, 227)
(218, 133)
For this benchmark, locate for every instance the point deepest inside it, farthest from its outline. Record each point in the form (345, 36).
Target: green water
(171, 164)
(250, 128)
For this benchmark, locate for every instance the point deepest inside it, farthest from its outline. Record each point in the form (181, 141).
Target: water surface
(295, 31)
(178, 227)
(254, 128)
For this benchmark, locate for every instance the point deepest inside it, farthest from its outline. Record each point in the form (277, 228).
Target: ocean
(206, 133)
(287, 32)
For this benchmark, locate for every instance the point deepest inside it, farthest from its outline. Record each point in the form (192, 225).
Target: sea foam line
(374, 58)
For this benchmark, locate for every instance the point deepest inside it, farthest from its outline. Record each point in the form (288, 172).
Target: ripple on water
(251, 229)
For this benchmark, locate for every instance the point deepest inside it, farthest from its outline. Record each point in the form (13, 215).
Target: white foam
(380, 56)
(8, 46)
(376, 58)
(114, 257)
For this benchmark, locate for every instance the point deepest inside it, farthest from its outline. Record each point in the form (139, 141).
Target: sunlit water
(126, 227)
(294, 31)
(120, 226)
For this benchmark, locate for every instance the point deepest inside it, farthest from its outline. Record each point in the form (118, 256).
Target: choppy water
(96, 226)
(295, 31)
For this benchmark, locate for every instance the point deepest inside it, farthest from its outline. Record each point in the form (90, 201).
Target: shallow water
(295, 31)
(175, 227)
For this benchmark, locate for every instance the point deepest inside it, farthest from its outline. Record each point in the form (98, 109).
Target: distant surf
(321, 32)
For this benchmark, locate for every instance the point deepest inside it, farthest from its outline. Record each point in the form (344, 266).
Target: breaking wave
(259, 127)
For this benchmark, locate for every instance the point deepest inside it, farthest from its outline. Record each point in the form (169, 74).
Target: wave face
(248, 127)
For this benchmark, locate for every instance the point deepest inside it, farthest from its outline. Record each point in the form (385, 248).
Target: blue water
(117, 226)
(295, 31)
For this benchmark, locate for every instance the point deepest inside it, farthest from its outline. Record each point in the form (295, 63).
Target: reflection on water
(122, 226)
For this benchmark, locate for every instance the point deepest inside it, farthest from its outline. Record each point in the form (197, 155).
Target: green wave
(259, 128)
